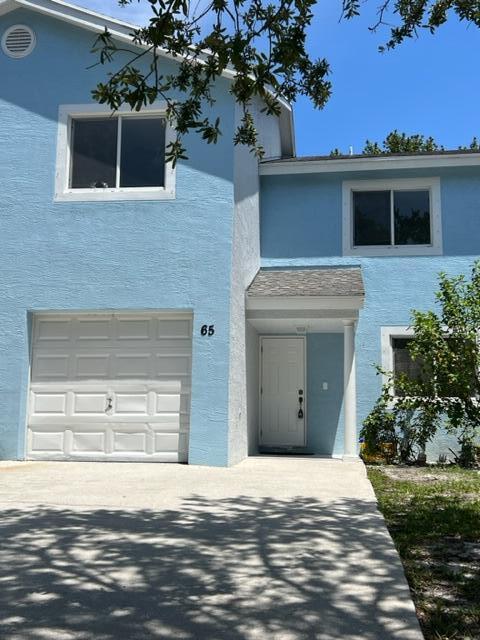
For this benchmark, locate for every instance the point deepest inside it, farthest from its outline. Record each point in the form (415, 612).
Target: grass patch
(434, 518)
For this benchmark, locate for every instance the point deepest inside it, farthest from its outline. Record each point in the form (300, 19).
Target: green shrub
(447, 347)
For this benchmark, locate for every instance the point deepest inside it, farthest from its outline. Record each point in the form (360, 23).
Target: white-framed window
(119, 156)
(395, 355)
(392, 217)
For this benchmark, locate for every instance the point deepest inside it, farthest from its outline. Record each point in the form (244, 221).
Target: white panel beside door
(282, 386)
(110, 387)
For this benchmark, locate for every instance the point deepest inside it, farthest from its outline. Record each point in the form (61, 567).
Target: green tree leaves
(446, 343)
(406, 19)
(261, 46)
(397, 142)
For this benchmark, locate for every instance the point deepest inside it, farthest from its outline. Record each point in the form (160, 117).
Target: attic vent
(18, 41)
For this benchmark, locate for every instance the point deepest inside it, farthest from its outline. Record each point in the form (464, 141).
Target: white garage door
(110, 387)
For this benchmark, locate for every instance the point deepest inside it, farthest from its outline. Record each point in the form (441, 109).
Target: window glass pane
(441, 385)
(371, 218)
(402, 361)
(94, 153)
(412, 217)
(142, 161)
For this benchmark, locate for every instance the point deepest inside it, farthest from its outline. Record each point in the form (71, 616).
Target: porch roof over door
(325, 281)
(319, 298)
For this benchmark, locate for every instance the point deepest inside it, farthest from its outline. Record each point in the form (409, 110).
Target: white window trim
(387, 333)
(63, 193)
(405, 184)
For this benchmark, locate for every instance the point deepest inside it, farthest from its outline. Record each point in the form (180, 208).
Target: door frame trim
(303, 338)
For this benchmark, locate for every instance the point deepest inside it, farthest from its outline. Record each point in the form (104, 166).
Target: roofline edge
(368, 163)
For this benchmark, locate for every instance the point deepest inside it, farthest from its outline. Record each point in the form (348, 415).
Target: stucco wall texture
(301, 225)
(198, 252)
(243, 417)
(107, 255)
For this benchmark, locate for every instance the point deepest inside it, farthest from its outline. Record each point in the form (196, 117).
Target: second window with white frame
(105, 156)
(115, 152)
(392, 217)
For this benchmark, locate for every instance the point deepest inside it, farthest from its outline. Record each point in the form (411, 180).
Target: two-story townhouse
(122, 279)
(333, 229)
(206, 312)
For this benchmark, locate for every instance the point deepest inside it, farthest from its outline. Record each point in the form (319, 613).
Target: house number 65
(207, 329)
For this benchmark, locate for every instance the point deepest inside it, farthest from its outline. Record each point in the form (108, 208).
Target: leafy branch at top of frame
(262, 47)
(406, 19)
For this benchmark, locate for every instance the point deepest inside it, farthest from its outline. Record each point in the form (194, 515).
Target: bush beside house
(443, 387)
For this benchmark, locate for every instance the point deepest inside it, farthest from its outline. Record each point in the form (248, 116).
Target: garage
(110, 386)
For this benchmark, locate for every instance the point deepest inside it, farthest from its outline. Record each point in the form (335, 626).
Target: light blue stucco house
(207, 312)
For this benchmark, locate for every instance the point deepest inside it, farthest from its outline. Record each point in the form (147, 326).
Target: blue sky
(430, 85)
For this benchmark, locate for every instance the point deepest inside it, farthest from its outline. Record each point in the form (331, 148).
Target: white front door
(282, 393)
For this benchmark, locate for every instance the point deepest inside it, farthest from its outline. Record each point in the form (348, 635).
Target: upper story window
(112, 157)
(118, 152)
(391, 218)
(397, 217)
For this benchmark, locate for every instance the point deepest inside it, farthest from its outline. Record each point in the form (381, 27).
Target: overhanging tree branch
(260, 45)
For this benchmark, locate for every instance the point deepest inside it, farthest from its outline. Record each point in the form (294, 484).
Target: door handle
(300, 411)
(109, 406)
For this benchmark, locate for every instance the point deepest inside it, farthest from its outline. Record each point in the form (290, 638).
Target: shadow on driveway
(232, 568)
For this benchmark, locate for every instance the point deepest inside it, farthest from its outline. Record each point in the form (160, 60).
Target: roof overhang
(304, 303)
(83, 18)
(369, 163)
(306, 315)
(122, 31)
(318, 299)
(303, 314)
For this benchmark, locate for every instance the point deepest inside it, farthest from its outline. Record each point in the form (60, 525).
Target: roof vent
(18, 41)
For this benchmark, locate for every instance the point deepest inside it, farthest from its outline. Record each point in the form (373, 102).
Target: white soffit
(84, 18)
(295, 303)
(292, 326)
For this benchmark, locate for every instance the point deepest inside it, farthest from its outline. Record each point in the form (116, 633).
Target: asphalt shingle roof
(307, 282)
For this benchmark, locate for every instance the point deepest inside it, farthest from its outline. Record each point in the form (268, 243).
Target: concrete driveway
(275, 548)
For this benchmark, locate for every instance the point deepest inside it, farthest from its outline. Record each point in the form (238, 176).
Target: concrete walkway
(273, 549)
